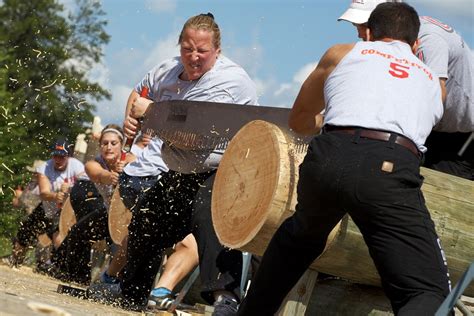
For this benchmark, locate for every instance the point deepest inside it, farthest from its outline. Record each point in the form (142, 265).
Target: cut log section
(255, 191)
(44, 240)
(119, 218)
(67, 219)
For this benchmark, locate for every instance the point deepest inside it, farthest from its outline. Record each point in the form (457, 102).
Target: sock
(108, 279)
(160, 291)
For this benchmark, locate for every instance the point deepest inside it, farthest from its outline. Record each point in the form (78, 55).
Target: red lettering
(398, 70)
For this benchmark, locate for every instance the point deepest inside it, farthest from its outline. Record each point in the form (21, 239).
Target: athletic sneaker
(162, 302)
(225, 306)
(108, 293)
(8, 260)
(161, 299)
(13, 261)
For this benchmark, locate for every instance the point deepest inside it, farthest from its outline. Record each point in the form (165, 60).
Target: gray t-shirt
(73, 171)
(226, 82)
(446, 53)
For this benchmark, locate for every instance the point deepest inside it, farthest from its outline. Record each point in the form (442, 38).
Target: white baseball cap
(359, 10)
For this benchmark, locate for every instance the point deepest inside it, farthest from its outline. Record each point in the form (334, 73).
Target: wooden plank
(297, 300)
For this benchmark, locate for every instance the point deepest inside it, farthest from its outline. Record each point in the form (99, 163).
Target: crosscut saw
(199, 125)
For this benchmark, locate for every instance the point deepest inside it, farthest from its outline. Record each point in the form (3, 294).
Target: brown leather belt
(376, 135)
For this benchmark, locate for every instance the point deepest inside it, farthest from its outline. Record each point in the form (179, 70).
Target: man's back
(382, 85)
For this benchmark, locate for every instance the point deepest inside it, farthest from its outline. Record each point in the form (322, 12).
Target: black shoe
(225, 306)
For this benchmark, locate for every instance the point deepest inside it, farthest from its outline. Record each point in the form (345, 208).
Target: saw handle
(60, 205)
(129, 141)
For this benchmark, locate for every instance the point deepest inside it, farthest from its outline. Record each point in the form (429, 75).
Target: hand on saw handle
(131, 125)
(62, 194)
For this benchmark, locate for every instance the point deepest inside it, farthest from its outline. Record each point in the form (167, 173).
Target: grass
(5, 246)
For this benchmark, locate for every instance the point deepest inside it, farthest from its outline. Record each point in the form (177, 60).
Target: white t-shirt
(73, 171)
(226, 82)
(384, 86)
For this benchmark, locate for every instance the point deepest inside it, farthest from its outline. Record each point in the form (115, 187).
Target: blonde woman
(72, 257)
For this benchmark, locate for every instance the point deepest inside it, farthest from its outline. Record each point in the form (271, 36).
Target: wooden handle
(129, 142)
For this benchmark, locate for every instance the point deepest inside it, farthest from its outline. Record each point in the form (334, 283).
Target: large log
(67, 219)
(255, 191)
(119, 218)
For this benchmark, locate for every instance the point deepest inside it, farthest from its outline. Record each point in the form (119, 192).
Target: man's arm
(131, 98)
(305, 117)
(45, 189)
(442, 83)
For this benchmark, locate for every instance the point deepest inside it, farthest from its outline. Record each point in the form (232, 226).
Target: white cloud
(283, 94)
(304, 72)
(458, 7)
(113, 111)
(160, 6)
(248, 57)
(163, 49)
(100, 74)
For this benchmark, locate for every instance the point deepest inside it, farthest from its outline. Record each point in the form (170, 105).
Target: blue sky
(278, 42)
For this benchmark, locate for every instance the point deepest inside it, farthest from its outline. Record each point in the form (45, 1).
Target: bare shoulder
(335, 53)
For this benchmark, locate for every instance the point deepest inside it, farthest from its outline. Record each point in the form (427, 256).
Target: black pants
(73, 256)
(442, 154)
(34, 225)
(342, 173)
(162, 218)
(220, 267)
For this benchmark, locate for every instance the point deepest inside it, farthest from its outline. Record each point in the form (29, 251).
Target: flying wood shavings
(77, 106)
(13, 79)
(37, 51)
(7, 168)
(50, 85)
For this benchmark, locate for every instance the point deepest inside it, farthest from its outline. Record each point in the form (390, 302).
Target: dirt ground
(23, 292)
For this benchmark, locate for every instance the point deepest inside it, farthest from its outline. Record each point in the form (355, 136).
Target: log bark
(255, 191)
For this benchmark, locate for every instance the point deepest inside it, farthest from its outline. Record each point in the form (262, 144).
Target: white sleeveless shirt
(384, 86)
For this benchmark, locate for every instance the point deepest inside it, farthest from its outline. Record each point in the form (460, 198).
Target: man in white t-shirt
(450, 144)
(381, 103)
(54, 179)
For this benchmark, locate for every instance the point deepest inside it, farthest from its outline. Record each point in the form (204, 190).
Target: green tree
(46, 55)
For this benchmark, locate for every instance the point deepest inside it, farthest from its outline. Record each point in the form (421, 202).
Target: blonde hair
(203, 22)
